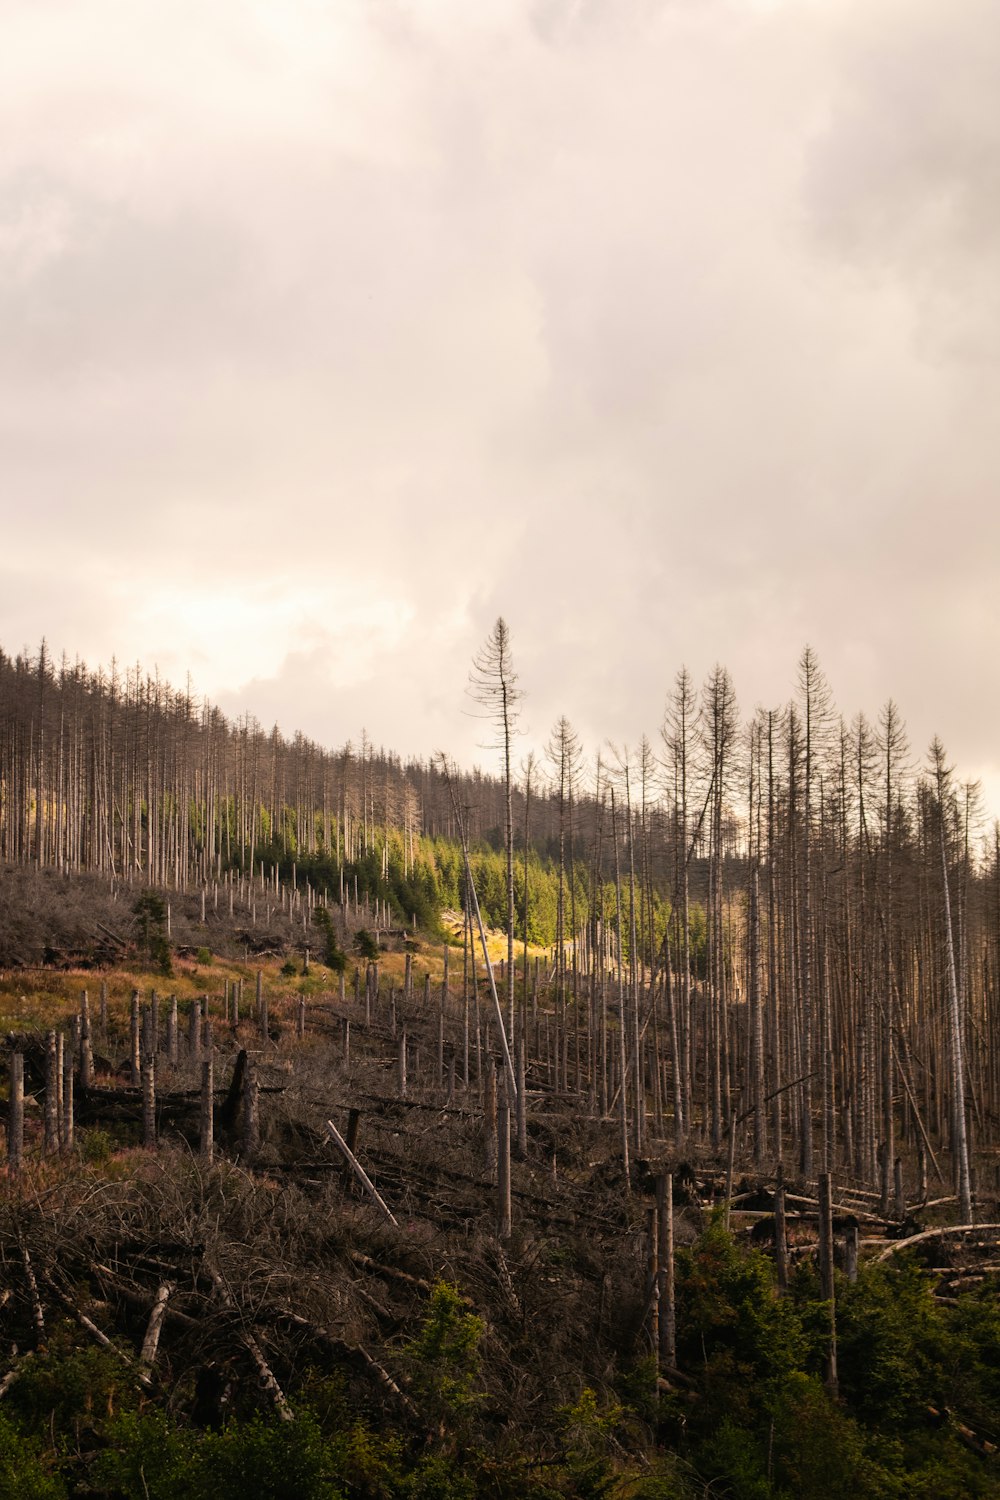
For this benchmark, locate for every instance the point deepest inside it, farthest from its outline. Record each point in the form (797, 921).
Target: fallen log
(971, 1439)
(150, 1343)
(87, 1324)
(120, 1290)
(360, 1173)
(122, 942)
(14, 1373)
(392, 1273)
(356, 1351)
(36, 1301)
(267, 1376)
(934, 1234)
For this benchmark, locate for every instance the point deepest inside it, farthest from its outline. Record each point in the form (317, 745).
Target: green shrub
(437, 1476)
(148, 1455)
(444, 1357)
(96, 1146)
(733, 1326)
(24, 1472)
(892, 1346)
(365, 946)
(151, 911)
(271, 1460)
(588, 1429)
(333, 955)
(68, 1388)
(815, 1447)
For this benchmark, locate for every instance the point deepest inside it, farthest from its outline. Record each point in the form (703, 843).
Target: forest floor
(141, 1281)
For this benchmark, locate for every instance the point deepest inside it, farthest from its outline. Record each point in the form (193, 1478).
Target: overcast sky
(668, 329)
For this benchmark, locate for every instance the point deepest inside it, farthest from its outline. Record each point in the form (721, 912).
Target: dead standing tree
(493, 686)
(474, 904)
(679, 729)
(563, 752)
(814, 696)
(944, 801)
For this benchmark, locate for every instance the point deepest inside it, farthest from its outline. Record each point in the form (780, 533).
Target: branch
(267, 1377)
(360, 1173)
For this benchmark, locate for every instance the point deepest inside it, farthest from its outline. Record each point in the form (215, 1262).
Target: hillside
(774, 1010)
(184, 1310)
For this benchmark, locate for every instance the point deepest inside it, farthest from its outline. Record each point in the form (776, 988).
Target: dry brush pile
(244, 1272)
(236, 1258)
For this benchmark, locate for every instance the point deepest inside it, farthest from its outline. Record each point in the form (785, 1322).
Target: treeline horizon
(97, 766)
(800, 928)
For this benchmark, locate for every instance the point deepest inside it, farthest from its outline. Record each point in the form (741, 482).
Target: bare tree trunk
(780, 1231)
(623, 1069)
(67, 1099)
(134, 1058)
(172, 1032)
(522, 1097)
(490, 1118)
(207, 1142)
(756, 1025)
(493, 683)
(151, 1341)
(15, 1115)
(503, 1171)
(51, 1094)
(401, 1066)
(149, 1099)
(668, 1314)
(827, 1290)
(360, 1172)
(251, 1111)
(194, 1031)
(653, 1286)
(959, 1130)
(86, 1048)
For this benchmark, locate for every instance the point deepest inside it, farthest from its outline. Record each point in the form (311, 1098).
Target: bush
(890, 1341)
(444, 1357)
(589, 1431)
(68, 1388)
(152, 914)
(23, 1471)
(732, 1322)
(96, 1146)
(148, 1456)
(365, 946)
(816, 1448)
(333, 955)
(276, 1460)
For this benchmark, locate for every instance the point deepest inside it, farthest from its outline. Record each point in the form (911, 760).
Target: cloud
(904, 182)
(666, 329)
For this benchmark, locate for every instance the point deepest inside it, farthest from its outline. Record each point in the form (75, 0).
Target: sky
(669, 330)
